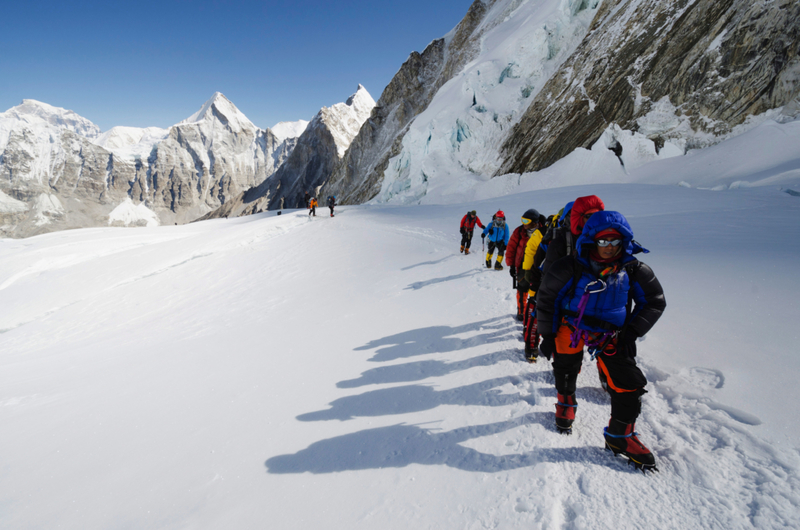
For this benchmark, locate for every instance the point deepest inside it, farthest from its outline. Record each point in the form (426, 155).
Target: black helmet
(531, 216)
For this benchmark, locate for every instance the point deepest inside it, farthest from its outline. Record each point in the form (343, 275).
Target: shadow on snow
(439, 339)
(402, 445)
(414, 398)
(466, 274)
(417, 371)
(429, 262)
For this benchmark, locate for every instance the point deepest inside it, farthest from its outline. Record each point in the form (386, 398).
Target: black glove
(483, 236)
(626, 344)
(548, 346)
(463, 231)
(491, 231)
(523, 285)
(512, 271)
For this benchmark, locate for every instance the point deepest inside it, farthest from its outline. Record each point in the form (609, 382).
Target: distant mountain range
(514, 88)
(58, 171)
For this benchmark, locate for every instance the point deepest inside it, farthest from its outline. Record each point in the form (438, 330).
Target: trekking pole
(513, 282)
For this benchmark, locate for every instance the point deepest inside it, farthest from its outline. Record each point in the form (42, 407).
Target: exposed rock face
(359, 175)
(314, 157)
(68, 175)
(709, 64)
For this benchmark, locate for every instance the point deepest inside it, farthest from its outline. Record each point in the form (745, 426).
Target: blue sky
(154, 63)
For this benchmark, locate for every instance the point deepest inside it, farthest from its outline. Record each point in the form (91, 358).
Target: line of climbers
(580, 288)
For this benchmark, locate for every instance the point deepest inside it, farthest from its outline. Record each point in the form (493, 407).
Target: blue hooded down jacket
(496, 233)
(630, 295)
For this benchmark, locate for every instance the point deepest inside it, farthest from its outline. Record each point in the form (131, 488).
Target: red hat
(608, 233)
(500, 214)
(582, 206)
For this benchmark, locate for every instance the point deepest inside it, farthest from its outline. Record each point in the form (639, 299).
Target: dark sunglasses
(606, 242)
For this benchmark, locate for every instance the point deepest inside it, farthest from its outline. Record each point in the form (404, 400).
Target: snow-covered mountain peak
(288, 129)
(221, 109)
(345, 119)
(361, 99)
(37, 114)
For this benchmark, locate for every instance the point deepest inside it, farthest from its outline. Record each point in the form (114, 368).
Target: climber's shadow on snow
(417, 371)
(415, 398)
(451, 256)
(403, 445)
(440, 339)
(419, 285)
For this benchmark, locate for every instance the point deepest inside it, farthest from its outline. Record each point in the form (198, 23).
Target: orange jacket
(313, 203)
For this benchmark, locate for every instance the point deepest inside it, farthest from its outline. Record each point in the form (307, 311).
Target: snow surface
(288, 129)
(358, 372)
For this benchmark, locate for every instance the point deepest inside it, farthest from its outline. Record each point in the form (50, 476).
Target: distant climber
(468, 223)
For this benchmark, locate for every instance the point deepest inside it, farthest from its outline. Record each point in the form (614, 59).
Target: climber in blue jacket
(497, 233)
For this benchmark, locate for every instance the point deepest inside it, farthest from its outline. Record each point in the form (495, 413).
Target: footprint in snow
(706, 377)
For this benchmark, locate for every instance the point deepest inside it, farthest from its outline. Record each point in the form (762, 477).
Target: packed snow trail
(358, 372)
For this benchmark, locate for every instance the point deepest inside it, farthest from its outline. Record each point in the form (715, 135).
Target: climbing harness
(595, 342)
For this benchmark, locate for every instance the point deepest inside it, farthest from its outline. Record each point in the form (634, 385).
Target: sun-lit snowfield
(358, 372)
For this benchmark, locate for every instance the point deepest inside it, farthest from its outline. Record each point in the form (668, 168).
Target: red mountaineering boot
(565, 413)
(621, 439)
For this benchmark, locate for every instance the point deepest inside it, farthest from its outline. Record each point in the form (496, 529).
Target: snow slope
(358, 372)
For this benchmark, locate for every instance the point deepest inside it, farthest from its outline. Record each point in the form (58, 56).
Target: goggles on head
(606, 242)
